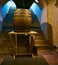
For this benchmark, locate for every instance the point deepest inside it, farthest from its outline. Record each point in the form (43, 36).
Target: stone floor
(51, 58)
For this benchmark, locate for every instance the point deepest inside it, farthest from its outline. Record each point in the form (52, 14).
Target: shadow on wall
(48, 32)
(56, 4)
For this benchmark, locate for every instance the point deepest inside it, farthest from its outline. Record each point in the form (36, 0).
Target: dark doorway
(23, 3)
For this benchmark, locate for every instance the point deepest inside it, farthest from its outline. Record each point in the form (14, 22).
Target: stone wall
(52, 20)
(49, 21)
(43, 17)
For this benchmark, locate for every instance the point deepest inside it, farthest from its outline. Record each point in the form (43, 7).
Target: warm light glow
(37, 1)
(11, 0)
(6, 7)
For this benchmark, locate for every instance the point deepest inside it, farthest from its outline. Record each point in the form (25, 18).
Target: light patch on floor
(51, 58)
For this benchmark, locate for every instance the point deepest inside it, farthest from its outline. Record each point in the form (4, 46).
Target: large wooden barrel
(22, 20)
(22, 10)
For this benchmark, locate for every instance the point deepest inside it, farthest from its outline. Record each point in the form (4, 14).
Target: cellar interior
(21, 32)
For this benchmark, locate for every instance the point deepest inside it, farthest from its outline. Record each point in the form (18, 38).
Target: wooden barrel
(22, 22)
(22, 14)
(22, 11)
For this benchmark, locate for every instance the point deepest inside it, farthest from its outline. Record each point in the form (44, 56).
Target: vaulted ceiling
(25, 3)
(19, 3)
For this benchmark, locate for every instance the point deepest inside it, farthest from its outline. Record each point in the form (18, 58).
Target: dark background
(23, 3)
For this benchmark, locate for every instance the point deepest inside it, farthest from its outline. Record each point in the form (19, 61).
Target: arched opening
(7, 14)
(7, 6)
(35, 8)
